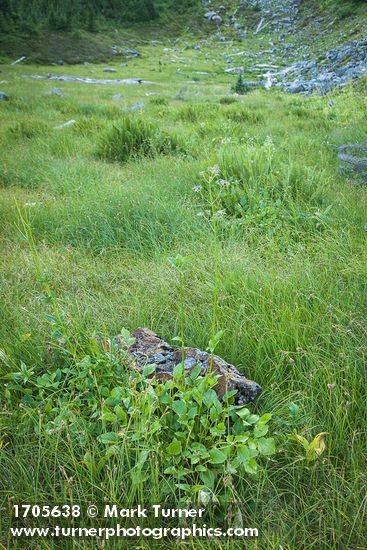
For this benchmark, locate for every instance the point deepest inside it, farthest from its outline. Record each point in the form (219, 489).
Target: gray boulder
(132, 53)
(3, 96)
(217, 19)
(149, 349)
(54, 91)
(295, 87)
(136, 106)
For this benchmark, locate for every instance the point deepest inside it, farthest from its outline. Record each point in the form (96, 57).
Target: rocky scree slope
(290, 62)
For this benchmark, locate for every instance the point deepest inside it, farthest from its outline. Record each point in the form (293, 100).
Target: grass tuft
(134, 137)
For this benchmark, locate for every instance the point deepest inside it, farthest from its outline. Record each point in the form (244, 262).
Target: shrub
(93, 395)
(240, 87)
(134, 137)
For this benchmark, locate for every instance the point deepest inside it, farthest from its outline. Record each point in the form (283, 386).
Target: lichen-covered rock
(136, 106)
(210, 14)
(149, 349)
(54, 91)
(217, 19)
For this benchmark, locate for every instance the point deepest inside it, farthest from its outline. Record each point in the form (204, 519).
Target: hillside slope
(292, 29)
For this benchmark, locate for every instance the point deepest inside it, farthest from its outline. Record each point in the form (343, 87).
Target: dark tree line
(69, 14)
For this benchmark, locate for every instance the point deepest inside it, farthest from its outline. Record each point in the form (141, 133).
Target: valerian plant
(236, 200)
(197, 440)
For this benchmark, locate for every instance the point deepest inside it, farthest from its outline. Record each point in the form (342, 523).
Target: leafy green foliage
(196, 439)
(249, 187)
(314, 449)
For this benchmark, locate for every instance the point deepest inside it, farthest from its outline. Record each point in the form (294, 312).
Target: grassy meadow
(285, 260)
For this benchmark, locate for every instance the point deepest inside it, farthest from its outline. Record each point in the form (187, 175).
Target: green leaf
(51, 319)
(108, 416)
(195, 372)
(170, 471)
(165, 398)
(243, 413)
(117, 392)
(184, 487)
(301, 440)
(210, 397)
(121, 414)
(219, 429)
(179, 407)
(217, 456)
(260, 430)
(251, 466)
(266, 446)
(128, 339)
(179, 261)
(108, 438)
(208, 478)
(294, 409)
(229, 394)
(192, 412)
(316, 447)
(214, 415)
(265, 418)
(244, 454)
(238, 427)
(178, 371)
(174, 448)
(148, 370)
(213, 342)
(252, 419)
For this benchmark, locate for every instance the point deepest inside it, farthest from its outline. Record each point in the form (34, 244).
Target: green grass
(134, 138)
(343, 9)
(291, 284)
